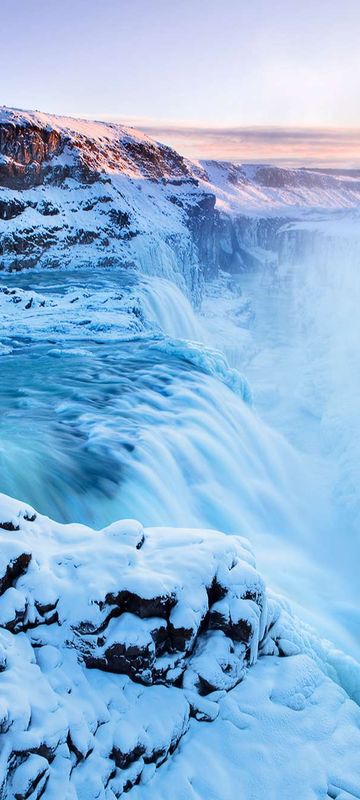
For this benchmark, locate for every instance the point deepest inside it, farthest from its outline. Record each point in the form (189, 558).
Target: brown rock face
(24, 150)
(29, 143)
(28, 146)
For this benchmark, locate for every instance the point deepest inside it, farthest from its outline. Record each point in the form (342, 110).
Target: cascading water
(325, 285)
(165, 305)
(146, 427)
(106, 433)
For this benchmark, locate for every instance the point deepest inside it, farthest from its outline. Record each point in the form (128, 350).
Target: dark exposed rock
(155, 161)
(31, 778)
(123, 760)
(80, 755)
(9, 209)
(45, 608)
(25, 149)
(143, 607)
(180, 637)
(9, 526)
(119, 218)
(23, 243)
(47, 209)
(132, 660)
(14, 569)
(29, 517)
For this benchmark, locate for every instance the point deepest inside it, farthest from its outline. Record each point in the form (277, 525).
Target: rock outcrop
(110, 641)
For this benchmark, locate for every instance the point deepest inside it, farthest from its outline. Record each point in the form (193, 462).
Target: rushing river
(97, 424)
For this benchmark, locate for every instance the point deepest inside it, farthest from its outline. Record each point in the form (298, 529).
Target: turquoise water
(93, 430)
(69, 421)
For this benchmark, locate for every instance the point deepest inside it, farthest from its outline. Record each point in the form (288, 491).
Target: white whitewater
(140, 430)
(166, 306)
(295, 334)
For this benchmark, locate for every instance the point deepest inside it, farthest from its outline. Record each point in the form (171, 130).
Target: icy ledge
(114, 644)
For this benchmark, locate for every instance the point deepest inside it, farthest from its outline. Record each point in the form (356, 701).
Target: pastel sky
(241, 79)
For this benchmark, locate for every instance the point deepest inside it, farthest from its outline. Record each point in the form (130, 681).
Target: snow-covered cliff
(80, 193)
(75, 192)
(258, 204)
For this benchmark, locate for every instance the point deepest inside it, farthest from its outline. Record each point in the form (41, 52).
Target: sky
(259, 80)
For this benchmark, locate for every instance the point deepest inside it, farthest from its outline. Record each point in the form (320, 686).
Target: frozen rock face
(25, 151)
(117, 645)
(30, 142)
(80, 193)
(110, 641)
(259, 205)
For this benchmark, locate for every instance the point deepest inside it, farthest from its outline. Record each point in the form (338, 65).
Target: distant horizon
(317, 147)
(234, 81)
(322, 147)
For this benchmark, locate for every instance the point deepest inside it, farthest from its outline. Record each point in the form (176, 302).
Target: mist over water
(93, 429)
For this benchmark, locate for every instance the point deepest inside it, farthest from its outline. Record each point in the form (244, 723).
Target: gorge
(178, 346)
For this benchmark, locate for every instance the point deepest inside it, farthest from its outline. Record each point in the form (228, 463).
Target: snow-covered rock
(115, 645)
(180, 612)
(154, 597)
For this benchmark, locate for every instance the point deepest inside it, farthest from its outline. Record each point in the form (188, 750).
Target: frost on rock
(110, 641)
(115, 643)
(127, 600)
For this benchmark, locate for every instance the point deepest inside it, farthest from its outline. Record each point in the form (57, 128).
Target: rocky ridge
(83, 193)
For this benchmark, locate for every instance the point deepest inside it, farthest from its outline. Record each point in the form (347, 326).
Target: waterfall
(166, 305)
(156, 427)
(325, 281)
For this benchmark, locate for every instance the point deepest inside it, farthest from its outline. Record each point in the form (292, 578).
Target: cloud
(330, 147)
(333, 147)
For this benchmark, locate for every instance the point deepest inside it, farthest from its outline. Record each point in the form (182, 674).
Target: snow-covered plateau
(178, 346)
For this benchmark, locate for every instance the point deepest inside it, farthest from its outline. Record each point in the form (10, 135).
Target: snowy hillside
(271, 190)
(97, 194)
